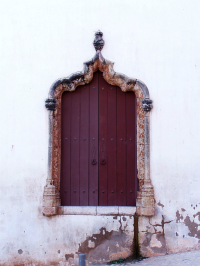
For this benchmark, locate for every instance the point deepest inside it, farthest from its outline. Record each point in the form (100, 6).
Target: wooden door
(98, 146)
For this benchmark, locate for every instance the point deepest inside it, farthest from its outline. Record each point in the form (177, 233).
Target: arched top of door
(98, 62)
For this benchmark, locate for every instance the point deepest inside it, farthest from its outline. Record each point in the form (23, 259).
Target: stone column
(49, 196)
(145, 197)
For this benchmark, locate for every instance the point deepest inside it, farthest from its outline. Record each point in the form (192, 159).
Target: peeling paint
(136, 246)
(178, 217)
(192, 226)
(154, 242)
(124, 218)
(96, 238)
(197, 214)
(67, 256)
(161, 205)
(162, 247)
(106, 246)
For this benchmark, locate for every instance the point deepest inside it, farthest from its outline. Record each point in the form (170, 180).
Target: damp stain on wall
(189, 221)
(193, 227)
(179, 217)
(105, 246)
(108, 245)
(154, 242)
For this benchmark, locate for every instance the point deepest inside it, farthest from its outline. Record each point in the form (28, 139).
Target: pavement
(190, 258)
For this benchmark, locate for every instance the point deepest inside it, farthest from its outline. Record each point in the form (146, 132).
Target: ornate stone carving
(84, 77)
(50, 104)
(147, 105)
(145, 199)
(98, 41)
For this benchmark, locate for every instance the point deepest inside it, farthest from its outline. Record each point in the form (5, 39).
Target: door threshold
(98, 210)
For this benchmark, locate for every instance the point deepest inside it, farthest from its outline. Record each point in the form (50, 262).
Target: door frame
(145, 195)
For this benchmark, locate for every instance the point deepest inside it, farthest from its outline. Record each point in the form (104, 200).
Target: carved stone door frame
(145, 196)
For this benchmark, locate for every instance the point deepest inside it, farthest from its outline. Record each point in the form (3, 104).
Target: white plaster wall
(155, 41)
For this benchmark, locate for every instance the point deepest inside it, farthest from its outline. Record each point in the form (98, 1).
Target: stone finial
(50, 104)
(98, 41)
(147, 104)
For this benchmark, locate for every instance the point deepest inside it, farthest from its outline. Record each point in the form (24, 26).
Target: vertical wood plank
(93, 142)
(121, 148)
(111, 146)
(131, 148)
(103, 121)
(75, 121)
(84, 144)
(65, 149)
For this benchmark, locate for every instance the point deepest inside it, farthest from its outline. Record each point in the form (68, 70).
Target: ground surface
(190, 258)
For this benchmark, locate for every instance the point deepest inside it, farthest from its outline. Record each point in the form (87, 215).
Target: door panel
(93, 139)
(84, 144)
(75, 130)
(98, 146)
(65, 184)
(111, 146)
(103, 124)
(121, 148)
(131, 148)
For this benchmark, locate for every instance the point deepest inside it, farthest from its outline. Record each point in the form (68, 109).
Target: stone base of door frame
(144, 204)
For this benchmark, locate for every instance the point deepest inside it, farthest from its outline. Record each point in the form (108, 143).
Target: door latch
(94, 161)
(103, 161)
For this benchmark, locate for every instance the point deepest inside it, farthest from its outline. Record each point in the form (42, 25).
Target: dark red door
(98, 146)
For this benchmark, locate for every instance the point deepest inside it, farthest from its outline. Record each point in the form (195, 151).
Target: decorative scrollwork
(98, 41)
(147, 105)
(50, 104)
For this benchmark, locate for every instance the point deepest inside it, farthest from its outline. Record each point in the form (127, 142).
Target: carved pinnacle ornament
(98, 41)
(50, 104)
(147, 104)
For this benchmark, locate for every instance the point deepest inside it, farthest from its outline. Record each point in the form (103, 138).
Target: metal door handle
(103, 161)
(94, 161)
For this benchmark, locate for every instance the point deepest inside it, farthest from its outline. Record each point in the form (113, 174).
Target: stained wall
(155, 41)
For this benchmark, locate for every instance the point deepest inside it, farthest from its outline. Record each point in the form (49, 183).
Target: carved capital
(147, 105)
(50, 104)
(98, 41)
